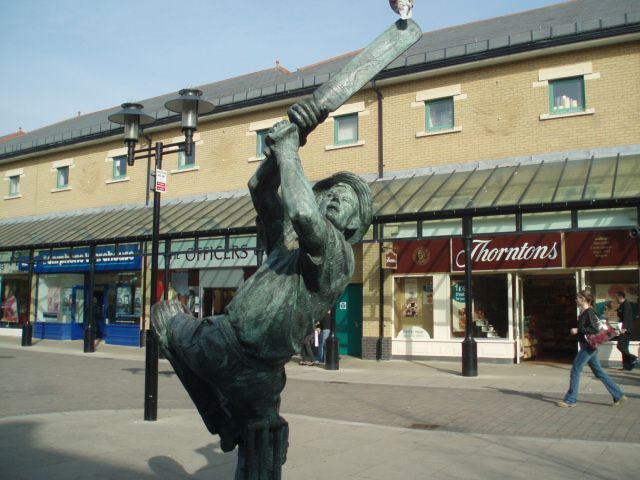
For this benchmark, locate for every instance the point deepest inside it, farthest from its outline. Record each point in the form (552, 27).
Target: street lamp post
(189, 104)
(469, 346)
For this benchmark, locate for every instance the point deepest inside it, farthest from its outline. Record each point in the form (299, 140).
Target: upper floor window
(439, 106)
(62, 180)
(120, 167)
(567, 95)
(346, 129)
(184, 160)
(261, 137)
(566, 89)
(439, 114)
(14, 185)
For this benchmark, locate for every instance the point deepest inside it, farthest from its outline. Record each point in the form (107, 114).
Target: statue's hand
(282, 140)
(307, 115)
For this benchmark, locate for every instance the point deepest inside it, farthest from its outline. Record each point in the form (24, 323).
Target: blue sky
(60, 57)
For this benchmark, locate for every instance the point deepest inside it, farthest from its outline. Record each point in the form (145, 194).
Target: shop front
(14, 292)
(523, 293)
(204, 274)
(62, 293)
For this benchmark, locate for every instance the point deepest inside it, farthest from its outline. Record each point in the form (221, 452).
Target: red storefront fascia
(607, 248)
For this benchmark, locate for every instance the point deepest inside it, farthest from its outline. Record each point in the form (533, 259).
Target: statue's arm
(263, 187)
(297, 195)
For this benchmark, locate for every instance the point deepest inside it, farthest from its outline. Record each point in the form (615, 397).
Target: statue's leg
(263, 450)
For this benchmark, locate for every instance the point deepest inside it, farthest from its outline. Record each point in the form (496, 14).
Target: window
(185, 161)
(62, 177)
(120, 166)
(346, 129)
(567, 95)
(14, 185)
(490, 306)
(413, 319)
(439, 114)
(261, 137)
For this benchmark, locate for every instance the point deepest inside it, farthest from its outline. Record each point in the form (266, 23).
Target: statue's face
(339, 204)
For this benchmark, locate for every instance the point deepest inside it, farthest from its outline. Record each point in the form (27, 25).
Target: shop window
(494, 224)
(546, 221)
(606, 284)
(184, 160)
(346, 129)
(567, 95)
(439, 114)
(14, 186)
(62, 177)
(119, 167)
(413, 319)
(400, 230)
(610, 217)
(490, 306)
(261, 137)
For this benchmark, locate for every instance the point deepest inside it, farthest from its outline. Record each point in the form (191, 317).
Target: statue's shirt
(275, 308)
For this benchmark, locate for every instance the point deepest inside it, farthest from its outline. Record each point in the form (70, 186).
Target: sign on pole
(161, 181)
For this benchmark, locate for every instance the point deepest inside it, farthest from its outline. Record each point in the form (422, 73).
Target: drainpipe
(380, 303)
(380, 131)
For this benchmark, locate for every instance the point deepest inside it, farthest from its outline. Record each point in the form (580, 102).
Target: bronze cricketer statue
(232, 365)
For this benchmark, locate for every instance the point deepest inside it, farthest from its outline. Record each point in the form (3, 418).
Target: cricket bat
(394, 41)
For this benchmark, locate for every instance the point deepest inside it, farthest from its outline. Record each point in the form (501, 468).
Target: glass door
(77, 304)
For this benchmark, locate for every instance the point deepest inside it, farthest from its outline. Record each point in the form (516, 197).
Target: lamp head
(131, 117)
(190, 104)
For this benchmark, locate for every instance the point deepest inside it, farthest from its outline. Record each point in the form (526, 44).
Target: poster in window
(458, 307)
(411, 297)
(607, 301)
(53, 300)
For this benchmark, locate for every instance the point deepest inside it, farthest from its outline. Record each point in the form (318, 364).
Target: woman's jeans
(584, 356)
(324, 334)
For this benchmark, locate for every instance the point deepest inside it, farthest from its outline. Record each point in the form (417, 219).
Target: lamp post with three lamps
(189, 104)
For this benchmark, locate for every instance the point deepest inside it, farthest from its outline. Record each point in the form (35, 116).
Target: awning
(580, 180)
(525, 185)
(195, 217)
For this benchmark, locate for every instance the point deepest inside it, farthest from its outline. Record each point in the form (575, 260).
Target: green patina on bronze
(232, 365)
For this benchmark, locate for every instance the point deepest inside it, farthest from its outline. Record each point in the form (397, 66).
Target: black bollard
(27, 334)
(332, 352)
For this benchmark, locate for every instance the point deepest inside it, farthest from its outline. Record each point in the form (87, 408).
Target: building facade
(527, 125)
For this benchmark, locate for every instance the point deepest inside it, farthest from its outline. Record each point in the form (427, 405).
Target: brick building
(526, 124)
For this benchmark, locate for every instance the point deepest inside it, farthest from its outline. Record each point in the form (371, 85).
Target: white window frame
(111, 157)
(348, 109)
(566, 72)
(447, 91)
(55, 167)
(252, 133)
(182, 167)
(9, 176)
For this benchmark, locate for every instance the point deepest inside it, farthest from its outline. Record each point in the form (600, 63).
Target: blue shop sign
(56, 261)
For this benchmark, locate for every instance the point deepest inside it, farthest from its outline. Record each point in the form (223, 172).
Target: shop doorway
(549, 313)
(214, 300)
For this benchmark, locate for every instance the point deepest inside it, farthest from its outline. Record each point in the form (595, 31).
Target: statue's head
(345, 199)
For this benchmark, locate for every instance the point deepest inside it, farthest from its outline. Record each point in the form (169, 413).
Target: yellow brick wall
(371, 292)
(499, 118)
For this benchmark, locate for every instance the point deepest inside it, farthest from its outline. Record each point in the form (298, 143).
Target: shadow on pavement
(26, 443)
(140, 371)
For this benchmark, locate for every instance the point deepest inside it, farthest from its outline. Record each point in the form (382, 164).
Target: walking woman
(588, 324)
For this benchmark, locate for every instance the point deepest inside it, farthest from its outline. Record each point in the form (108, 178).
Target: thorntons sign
(509, 252)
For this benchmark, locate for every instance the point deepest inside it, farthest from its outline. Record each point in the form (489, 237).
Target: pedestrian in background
(588, 325)
(629, 361)
(325, 330)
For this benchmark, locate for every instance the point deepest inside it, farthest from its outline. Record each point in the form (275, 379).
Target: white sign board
(161, 180)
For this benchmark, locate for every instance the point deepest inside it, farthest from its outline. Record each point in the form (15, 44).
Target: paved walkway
(117, 444)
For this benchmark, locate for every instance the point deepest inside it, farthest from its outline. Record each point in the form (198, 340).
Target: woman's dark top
(587, 325)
